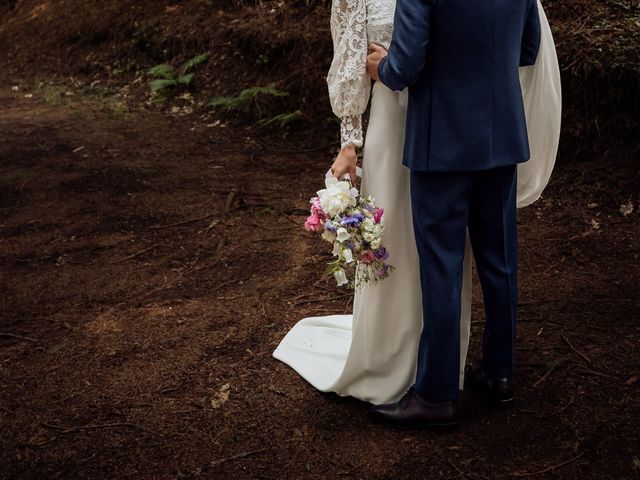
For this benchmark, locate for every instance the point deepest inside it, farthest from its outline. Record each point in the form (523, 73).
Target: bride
(372, 354)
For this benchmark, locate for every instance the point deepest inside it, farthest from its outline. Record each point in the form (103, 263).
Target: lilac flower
(382, 253)
(382, 273)
(329, 226)
(352, 220)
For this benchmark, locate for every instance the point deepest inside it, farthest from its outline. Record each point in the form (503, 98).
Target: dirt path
(150, 265)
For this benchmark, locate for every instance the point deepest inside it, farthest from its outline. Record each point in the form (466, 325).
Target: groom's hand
(376, 53)
(345, 163)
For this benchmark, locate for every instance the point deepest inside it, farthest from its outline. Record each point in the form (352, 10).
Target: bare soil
(151, 264)
(151, 259)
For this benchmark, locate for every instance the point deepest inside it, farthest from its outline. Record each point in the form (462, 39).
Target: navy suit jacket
(460, 60)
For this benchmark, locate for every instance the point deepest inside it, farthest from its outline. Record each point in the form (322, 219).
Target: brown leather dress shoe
(498, 389)
(413, 411)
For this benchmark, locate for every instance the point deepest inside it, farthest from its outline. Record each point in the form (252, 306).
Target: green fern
(164, 71)
(284, 119)
(231, 104)
(194, 63)
(185, 79)
(168, 80)
(161, 85)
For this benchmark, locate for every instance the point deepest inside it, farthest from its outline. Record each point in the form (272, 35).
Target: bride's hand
(345, 163)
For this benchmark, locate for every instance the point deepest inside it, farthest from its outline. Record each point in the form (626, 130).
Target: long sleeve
(531, 37)
(348, 81)
(408, 52)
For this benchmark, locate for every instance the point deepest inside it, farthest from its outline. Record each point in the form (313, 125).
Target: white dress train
(372, 354)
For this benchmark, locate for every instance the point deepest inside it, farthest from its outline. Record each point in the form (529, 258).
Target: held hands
(376, 54)
(345, 163)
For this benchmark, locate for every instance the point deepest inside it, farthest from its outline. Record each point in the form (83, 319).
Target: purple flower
(330, 227)
(382, 273)
(352, 220)
(382, 253)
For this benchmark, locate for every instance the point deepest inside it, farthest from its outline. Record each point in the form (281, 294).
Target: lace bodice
(354, 24)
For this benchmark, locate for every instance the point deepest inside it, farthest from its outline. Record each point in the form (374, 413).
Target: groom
(465, 135)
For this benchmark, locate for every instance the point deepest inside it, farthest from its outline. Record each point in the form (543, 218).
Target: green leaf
(58, 347)
(161, 85)
(185, 79)
(285, 119)
(159, 99)
(229, 104)
(195, 62)
(163, 70)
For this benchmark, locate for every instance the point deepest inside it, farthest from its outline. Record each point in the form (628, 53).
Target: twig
(229, 201)
(555, 365)
(141, 252)
(210, 226)
(296, 212)
(574, 348)
(186, 222)
(167, 390)
(66, 430)
(548, 469)
(24, 184)
(456, 468)
(293, 227)
(226, 284)
(19, 337)
(594, 373)
(298, 297)
(271, 239)
(309, 300)
(239, 456)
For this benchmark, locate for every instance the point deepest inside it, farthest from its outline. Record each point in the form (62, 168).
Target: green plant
(169, 79)
(245, 98)
(284, 119)
(256, 103)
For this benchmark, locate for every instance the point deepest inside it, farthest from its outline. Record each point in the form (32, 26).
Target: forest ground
(152, 262)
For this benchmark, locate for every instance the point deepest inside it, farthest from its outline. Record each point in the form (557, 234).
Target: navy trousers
(444, 206)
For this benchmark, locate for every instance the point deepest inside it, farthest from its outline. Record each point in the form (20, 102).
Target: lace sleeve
(349, 84)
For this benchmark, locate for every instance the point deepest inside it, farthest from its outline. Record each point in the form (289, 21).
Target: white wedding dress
(371, 355)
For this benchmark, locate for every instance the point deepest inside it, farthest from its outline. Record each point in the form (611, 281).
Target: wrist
(350, 148)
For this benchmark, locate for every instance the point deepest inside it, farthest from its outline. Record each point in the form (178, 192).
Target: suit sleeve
(408, 51)
(531, 36)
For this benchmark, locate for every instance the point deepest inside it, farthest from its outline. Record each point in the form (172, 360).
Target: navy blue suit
(465, 134)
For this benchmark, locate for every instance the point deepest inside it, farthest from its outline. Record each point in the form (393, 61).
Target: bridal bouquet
(354, 225)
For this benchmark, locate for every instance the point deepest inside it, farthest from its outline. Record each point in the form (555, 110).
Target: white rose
(337, 197)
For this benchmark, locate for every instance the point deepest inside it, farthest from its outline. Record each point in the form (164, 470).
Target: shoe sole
(484, 391)
(439, 427)
(503, 403)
